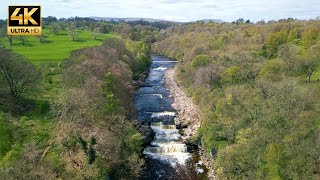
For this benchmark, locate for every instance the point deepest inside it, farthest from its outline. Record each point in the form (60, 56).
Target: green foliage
(231, 75)
(273, 41)
(112, 103)
(200, 60)
(6, 139)
(273, 157)
(310, 63)
(310, 36)
(10, 157)
(18, 76)
(88, 148)
(141, 52)
(263, 115)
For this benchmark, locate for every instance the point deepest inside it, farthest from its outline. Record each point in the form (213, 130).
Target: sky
(175, 10)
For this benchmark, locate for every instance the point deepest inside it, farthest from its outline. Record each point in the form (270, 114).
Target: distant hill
(127, 19)
(212, 20)
(151, 20)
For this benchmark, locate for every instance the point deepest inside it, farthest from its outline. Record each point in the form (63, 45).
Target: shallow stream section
(167, 156)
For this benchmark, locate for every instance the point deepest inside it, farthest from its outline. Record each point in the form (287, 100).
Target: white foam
(160, 68)
(164, 61)
(166, 145)
(199, 170)
(159, 95)
(161, 114)
(173, 158)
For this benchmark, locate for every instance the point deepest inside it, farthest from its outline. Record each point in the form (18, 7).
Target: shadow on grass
(80, 40)
(46, 42)
(20, 44)
(100, 40)
(19, 106)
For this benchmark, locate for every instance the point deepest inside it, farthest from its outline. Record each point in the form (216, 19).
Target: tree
(310, 63)
(41, 37)
(289, 54)
(10, 38)
(208, 76)
(95, 34)
(19, 76)
(273, 41)
(200, 60)
(54, 28)
(309, 36)
(23, 39)
(73, 33)
(104, 29)
(231, 75)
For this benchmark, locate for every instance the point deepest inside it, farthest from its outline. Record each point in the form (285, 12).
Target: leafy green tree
(310, 36)
(200, 60)
(112, 103)
(18, 76)
(273, 156)
(230, 75)
(310, 63)
(5, 136)
(273, 41)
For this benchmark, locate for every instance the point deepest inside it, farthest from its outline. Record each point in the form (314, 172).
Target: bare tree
(17, 74)
(10, 38)
(23, 39)
(41, 37)
(55, 28)
(95, 33)
(208, 76)
(73, 32)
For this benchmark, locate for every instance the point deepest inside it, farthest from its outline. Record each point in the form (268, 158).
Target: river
(167, 157)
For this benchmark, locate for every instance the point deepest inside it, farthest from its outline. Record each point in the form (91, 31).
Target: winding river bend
(167, 157)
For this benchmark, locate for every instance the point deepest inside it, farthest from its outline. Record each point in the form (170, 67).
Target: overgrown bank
(252, 84)
(81, 126)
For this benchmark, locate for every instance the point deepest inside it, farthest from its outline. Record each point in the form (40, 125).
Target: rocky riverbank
(187, 115)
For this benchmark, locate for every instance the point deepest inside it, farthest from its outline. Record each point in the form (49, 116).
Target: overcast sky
(176, 10)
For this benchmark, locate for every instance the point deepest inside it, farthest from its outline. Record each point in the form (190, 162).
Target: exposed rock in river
(188, 117)
(147, 134)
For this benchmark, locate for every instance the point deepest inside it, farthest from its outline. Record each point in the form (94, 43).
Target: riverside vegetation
(68, 114)
(70, 119)
(258, 90)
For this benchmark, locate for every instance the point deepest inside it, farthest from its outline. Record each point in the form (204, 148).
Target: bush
(200, 60)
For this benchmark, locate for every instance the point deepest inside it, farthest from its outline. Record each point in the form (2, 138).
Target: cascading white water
(166, 156)
(167, 144)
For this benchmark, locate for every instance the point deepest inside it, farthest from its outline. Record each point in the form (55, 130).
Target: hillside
(258, 90)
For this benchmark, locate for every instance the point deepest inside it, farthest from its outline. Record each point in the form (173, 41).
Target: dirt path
(187, 114)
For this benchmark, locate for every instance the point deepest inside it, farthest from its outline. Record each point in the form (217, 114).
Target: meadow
(54, 48)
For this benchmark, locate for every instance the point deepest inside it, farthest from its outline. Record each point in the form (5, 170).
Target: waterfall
(167, 145)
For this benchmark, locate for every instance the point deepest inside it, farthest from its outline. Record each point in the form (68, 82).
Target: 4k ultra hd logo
(24, 20)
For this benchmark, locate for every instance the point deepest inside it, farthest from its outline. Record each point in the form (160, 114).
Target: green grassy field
(55, 47)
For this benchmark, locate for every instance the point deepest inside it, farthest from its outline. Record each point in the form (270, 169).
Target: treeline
(257, 87)
(79, 122)
(147, 32)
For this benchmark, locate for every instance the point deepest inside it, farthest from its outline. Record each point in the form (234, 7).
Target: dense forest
(258, 89)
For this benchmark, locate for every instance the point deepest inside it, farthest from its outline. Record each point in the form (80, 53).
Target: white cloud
(178, 10)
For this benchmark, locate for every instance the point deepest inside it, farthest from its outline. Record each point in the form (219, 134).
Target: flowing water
(167, 157)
